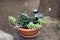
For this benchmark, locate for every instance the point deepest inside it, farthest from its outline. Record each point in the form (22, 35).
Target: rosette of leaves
(24, 20)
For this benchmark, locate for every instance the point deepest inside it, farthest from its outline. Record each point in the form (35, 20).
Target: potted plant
(29, 26)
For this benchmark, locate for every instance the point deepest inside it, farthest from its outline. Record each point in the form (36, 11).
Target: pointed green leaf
(12, 19)
(42, 20)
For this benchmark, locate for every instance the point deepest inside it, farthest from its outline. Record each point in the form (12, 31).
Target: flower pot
(28, 33)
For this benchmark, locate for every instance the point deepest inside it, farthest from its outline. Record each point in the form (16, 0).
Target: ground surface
(15, 7)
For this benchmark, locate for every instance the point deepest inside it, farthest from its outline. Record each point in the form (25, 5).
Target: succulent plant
(12, 19)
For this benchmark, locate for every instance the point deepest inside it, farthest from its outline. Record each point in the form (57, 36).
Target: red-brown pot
(28, 33)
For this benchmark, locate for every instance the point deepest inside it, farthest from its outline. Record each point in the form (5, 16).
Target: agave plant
(26, 21)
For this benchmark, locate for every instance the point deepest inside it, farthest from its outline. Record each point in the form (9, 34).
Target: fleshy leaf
(38, 26)
(42, 20)
(30, 25)
(12, 19)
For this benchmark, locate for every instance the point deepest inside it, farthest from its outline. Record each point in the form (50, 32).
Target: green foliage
(12, 19)
(38, 26)
(59, 38)
(27, 21)
(31, 25)
(24, 19)
(42, 21)
(58, 26)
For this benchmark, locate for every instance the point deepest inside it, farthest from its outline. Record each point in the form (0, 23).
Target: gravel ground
(5, 36)
(15, 7)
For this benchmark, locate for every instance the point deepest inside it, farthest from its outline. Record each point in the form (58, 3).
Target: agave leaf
(30, 25)
(42, 20)
(26, 15)
(24, 18)
(12, 19)
(38, 26)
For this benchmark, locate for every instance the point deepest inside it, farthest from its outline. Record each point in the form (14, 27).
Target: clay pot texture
(28, 32)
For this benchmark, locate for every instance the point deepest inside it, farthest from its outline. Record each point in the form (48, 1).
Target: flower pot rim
(23, 29)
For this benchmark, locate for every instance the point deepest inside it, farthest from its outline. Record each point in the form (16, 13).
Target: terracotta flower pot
(28, 33)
